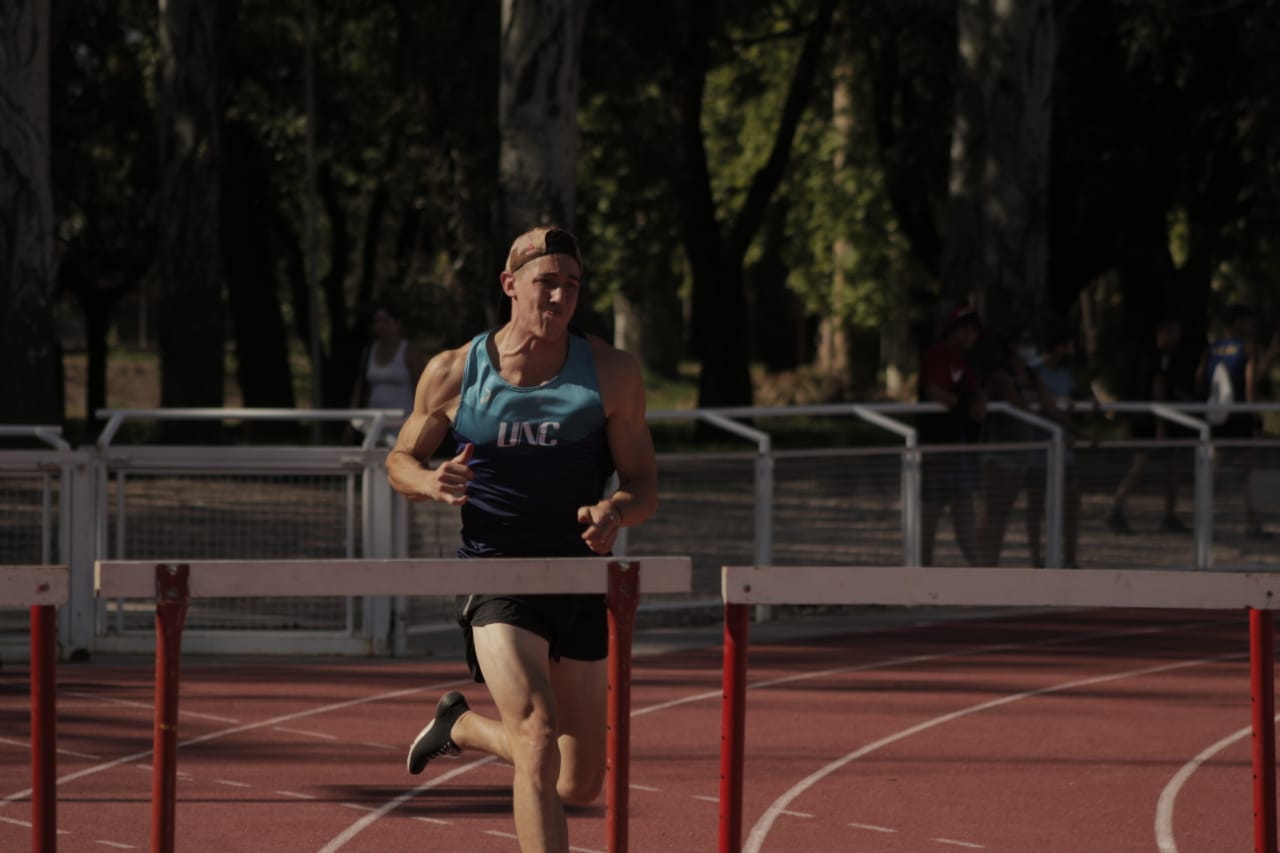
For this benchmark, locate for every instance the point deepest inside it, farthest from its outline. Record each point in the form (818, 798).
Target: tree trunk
(835, 347)
(997, 240)
(538, 111)
(190, 312)
(31, 378)
(261, 339)
(898, 353)
(719, 323)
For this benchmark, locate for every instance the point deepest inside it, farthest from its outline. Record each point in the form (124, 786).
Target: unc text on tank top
(540, 453)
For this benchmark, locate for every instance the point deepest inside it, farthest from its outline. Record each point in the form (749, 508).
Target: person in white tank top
(389, 370)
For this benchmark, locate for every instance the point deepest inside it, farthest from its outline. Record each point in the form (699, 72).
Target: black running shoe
(435, 740)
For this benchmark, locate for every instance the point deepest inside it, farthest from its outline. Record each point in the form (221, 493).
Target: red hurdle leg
(1262, 676)
(44, 767)
(623, 598)
(732, 725)
(172, 597)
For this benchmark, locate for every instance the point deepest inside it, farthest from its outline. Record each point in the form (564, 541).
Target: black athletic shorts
(574, 626)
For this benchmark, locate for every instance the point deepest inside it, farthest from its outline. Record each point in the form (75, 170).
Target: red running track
(1089, 731)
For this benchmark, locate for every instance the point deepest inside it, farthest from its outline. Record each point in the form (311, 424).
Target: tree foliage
(756, 179)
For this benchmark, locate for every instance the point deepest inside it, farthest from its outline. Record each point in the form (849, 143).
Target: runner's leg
(581, 690)
(517, 672)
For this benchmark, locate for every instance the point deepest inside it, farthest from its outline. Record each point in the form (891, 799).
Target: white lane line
(372, 745)
(871, 827)
(796, 814)
(705, 798)
(22, 744)
(955, 843)
(360, 807)
(649, 788)
(1164, 806)
(296, 795)
(246, 727)
(500, 834)
(145, 706)
(116, 844)
(434, 820)
(304, 733)
(13, 820)
(359, 826)
(914, 659)
(230, 784)
(584, 849)
(88, 756)
(761, 829)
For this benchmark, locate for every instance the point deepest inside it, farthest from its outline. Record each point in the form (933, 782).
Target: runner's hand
(603, 523)
(448, 482)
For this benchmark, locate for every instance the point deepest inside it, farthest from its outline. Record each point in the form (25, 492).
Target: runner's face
(544, 294)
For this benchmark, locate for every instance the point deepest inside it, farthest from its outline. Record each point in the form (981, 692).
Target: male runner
(539, 416)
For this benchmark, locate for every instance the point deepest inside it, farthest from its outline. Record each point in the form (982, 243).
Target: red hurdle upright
(44, 748)
(1262, 655)
(737, 621)
(623, 598)
(173, 596)
(40, 589)
(175, 586)
(743, 586)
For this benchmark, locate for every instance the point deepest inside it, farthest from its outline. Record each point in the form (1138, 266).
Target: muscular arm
(434, 406)
(631, 446)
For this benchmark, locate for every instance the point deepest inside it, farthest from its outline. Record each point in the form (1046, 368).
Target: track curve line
(386, 808)
(763, 826)
(1164, 806)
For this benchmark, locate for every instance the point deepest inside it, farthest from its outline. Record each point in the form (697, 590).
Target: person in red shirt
(949, 477)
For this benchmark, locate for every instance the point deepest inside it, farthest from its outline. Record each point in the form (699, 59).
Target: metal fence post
(911, 504)
(763, 509)
(378, 541)
(1204, 501)
(77, 538)
(1053, 501)
(1203, 521)
(910, 480)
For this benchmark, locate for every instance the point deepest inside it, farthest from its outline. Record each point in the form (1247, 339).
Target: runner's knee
(581, 786)
(532, 739)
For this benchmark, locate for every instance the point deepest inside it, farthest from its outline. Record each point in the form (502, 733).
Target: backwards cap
(544, 240)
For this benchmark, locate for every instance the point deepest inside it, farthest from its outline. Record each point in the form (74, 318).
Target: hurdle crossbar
(42, 589)
(285, 578)
(174, 584)
(743, 587)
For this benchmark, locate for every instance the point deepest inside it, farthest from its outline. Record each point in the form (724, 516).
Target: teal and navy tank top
(540, 453)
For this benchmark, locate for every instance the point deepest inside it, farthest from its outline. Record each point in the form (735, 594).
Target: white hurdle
(42, 589)
(743, 587)
(174, 583)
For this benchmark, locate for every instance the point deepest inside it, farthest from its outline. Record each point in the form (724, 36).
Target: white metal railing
(77, 482)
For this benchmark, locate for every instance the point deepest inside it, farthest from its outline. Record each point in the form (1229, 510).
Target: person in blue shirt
(539, 417)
